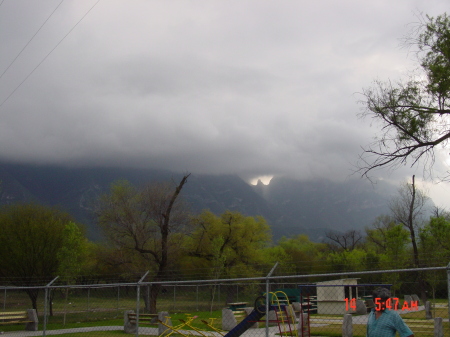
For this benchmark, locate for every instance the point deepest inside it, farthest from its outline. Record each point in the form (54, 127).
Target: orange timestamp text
(392, 303)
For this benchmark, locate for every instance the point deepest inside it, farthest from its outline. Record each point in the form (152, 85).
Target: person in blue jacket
(382, 321)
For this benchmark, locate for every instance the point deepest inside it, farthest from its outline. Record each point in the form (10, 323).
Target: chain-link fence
(338, 304)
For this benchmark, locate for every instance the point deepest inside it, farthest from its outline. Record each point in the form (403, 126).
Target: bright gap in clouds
(264, 179)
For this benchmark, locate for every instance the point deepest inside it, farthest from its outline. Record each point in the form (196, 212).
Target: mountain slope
(291, 207)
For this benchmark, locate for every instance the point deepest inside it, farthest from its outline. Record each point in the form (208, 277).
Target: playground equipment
(186, 328)
(211, 326)
(177, 328)
(283, 315)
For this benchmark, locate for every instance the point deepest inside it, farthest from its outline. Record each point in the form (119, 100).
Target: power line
(29, 41)
(46, 56)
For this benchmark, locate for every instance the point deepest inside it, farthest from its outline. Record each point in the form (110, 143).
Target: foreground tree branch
(414, 115)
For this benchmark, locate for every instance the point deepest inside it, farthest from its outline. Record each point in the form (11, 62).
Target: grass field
(101, 308)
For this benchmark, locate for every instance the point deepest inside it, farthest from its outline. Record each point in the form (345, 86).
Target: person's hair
(381, 293)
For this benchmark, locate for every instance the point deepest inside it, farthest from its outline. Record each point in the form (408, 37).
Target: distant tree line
(151, 228)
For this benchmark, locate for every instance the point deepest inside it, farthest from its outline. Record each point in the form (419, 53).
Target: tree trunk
(420, 279)
(146, 296)
(164, 228)
(154, 291)
(33, 295)
(50, 302)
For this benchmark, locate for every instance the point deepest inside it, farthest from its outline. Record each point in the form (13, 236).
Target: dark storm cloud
(246, 87)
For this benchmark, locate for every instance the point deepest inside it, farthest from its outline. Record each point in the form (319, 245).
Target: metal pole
(448, 287)
(118, 298)
(88, 299)
(267, 297)
(45, 305)
(174, 297)
(138, 291)
(197, 296)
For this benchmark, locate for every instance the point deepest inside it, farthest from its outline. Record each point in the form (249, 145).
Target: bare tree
(408, 209)
(439, 212)
(346, 241)
(142, 220)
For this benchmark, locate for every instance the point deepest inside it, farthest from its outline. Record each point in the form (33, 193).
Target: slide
(258, 312)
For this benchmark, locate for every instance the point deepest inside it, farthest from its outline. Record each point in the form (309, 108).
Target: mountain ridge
(290, 206)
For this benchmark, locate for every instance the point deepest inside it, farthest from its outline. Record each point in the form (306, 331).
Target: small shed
(333, 297)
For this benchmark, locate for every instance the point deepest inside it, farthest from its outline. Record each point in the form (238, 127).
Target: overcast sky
(252, 88)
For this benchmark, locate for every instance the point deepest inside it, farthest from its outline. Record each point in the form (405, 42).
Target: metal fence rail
(333, 304)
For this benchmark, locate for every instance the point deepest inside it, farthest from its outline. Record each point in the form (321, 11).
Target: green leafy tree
(273, 254)
(386, 236)
(32, 241)
(347, 260)
(144, 221)
(71, 257)
(413, 114)
(304, 255)
(435, 240)
(435, 246)
(73, 254)
(230, 245)
(391, 243)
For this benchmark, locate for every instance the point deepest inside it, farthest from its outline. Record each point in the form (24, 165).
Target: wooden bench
(28, 317)
(151, 319)
(237, 305)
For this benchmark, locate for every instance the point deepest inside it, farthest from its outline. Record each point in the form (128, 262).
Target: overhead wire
(31, 39)
(48, 54)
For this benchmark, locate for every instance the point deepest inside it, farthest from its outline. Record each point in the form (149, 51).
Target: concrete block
(361, 308)
(415, 298)
(408, 299)
(228, 319)
(163, 316)
(127, 326)
(32, 316)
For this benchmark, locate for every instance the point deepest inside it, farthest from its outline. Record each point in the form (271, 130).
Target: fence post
(118, 298)
(347, 326)
(196, 296)
(138, 298)
(428, 314)
(45, 305)
(88, 301)
(448, 288)
(174, 297)
(438, 331)
(267, 297)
